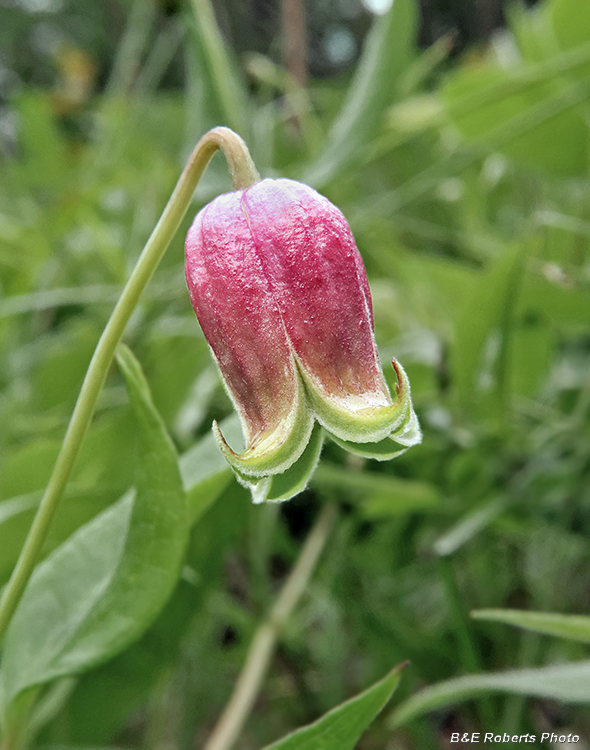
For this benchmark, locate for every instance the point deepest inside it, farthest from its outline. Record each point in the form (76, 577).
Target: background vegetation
(465, 177)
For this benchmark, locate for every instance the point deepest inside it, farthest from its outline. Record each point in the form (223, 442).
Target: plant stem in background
(243, 174)
(134, 42)
(294, 39)
(229, 726)
(464, 635)
(228, 87)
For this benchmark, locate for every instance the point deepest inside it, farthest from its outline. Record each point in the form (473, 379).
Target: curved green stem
(243, 174)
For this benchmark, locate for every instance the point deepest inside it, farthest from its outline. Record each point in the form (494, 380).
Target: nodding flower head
(281, 294)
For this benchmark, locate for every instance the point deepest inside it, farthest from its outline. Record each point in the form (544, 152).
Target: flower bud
(281, 294)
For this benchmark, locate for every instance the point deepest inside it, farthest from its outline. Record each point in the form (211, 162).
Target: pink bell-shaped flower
(281, 294)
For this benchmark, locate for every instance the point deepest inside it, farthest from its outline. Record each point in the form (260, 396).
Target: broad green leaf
(78, 507)
(571, 22)
(342, 727)
(102, 473)
(488, 314)
(533, 345)
(105, 696)
(566, 307)
(197, 403)
(533, 35)
(101, 589)
(388, 49)
(571, 627)
(468, 527)
(522, 116)
(381, 495)
(27, 468)
(46, 156)
(102, 462)
(569, 683)
(15, 519)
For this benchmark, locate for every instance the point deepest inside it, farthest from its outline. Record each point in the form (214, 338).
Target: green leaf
(105, 696)
(382, 496)
(228, 87)
(571, 627)
(468, 527)
(342, 727)
(101, 589)
(522, 114)
(565, 307)
(532, 349)
(569, 683)
(103, 460)
(76, 508)
(27, 468)
(15, 520)
(532, 31)
(388, 49)
(102, 473)
(488, 313)
(571, 22)
(45, 154)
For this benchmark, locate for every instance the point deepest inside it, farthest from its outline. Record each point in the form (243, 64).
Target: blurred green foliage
(469, 194)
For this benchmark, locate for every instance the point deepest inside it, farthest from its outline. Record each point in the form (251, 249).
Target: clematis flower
(281, 293)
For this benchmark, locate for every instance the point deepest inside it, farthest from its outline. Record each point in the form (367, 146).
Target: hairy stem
(243, 174)
(231, 721)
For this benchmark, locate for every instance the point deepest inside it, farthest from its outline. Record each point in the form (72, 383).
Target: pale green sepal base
(276, 452)
(384, 450)
(284, 486)
(410, 434)
(357, 424)
(407, 434)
